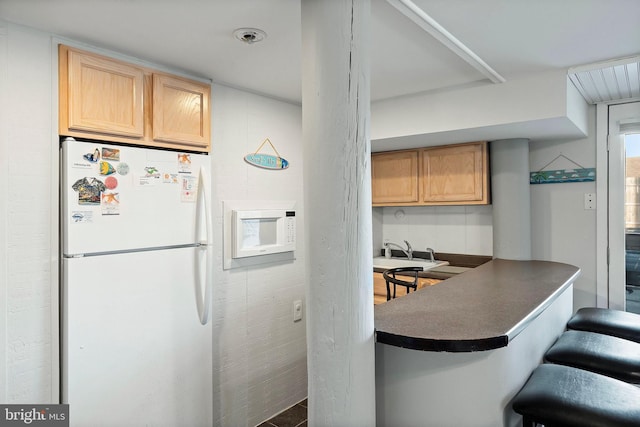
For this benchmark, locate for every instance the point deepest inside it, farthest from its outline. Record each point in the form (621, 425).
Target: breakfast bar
(456, 353)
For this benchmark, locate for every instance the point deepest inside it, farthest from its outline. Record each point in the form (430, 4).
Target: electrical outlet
(297, 310)
(589, 201)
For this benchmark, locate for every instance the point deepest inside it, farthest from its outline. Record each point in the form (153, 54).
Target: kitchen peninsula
(455, 354)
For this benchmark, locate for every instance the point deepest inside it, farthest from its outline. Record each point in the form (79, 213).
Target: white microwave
(263, 232)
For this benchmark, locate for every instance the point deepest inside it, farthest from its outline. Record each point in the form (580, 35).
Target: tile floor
(296, 416)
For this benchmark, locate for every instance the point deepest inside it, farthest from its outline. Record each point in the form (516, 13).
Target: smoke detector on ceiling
(249, 35)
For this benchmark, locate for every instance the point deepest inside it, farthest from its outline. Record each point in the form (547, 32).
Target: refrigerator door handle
(203, 198)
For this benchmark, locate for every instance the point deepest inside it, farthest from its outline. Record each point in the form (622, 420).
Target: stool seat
(556, 395)
(607, 321)
(611, 356)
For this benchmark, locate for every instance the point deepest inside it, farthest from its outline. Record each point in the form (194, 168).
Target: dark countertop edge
(450, 346)
(520, 326)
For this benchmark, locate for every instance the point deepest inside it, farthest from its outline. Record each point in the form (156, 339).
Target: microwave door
(262, 232)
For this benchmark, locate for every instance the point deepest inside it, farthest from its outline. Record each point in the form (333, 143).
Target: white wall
(259, 352)
(450, 229)
(544, 104)
(561, 229)
(28, 266)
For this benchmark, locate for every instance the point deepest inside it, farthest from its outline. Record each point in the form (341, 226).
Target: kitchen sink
(387, 263)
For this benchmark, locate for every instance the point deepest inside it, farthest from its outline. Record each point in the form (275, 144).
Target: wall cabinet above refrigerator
(446, 175)
(106, 99)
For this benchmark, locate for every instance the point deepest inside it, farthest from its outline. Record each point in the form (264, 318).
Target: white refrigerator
(136, 338)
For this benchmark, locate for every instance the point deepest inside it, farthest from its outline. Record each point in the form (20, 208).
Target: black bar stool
(604, 354)
(557, 395)
(607, 321)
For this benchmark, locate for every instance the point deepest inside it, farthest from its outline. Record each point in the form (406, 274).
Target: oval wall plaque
(266, 161)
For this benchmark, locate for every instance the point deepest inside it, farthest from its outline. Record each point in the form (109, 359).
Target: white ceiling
(514, 37)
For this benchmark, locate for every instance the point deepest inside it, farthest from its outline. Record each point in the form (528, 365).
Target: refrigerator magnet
(151, 176)
(89, 190)
(189, 189)
(110, 203)
(152, 172)
(123, 169)
(184, 163)
(111, 154)
(106, 168)
(111, 182)
(170, 178)
(81, 216)
(92, 157)
(144, 180)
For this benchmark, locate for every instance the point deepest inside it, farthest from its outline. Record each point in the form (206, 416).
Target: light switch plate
(297, 310)
(589, 201)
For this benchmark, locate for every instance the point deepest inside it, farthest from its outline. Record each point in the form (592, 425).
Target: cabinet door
(103, 96)
(394, 177)
(426, 281)
(455, 174)
(180, 111)
(379, 289)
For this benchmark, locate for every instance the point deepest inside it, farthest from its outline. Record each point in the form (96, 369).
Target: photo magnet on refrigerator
(184, 163)
(111, 154)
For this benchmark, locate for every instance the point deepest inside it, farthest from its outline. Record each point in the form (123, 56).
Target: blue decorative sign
(266, 161)
(563, 175)
(579, 174)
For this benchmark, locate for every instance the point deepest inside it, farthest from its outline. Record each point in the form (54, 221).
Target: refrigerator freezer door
(134, 349)
(117, 198)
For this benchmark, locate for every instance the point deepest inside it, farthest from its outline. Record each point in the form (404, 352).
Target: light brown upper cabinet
(180, 110)
(394, 178)
(106, 99)
(446, 175)
(102, 95)
(455, 174)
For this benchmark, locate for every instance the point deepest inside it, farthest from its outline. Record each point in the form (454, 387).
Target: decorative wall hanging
(266, 161)
(579, 174)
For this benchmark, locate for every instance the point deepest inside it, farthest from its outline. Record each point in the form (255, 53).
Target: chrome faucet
(408, 252)
(432, 254)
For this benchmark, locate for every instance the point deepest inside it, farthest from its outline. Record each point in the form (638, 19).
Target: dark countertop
(482, 309)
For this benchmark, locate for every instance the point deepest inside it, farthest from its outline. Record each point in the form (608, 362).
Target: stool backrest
(391, 279)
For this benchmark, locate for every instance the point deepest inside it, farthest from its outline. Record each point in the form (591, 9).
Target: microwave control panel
(290, 224)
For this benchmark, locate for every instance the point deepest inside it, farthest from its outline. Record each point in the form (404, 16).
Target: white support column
(337, 182)
(511, 199)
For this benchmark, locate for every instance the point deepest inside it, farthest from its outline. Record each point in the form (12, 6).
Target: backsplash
(451, 229)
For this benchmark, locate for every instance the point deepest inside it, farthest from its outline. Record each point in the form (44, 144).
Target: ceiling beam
(437, 31)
